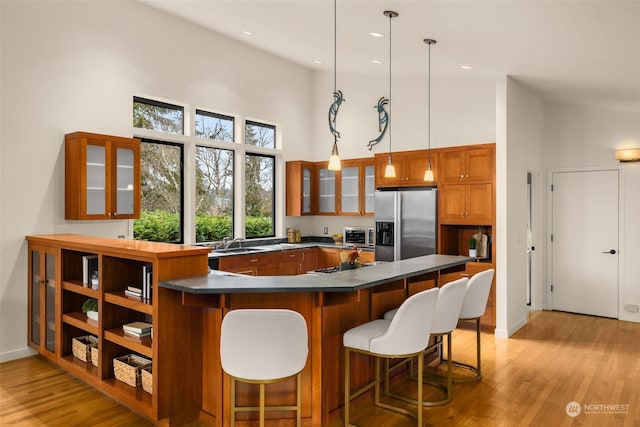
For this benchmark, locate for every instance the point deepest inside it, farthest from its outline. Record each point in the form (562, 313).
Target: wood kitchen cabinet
(42, 328)
(410, 168)
(466, 164)
(102, 177)
(56, 296)
(466, 204)
(262, 264)
(299, 185)
(357, 187)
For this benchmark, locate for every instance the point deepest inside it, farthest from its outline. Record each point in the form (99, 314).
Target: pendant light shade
(334, 160)
(390, 170)
(428, 175)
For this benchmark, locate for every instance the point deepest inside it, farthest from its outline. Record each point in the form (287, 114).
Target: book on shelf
(89, 265)
(137, 335)
(135, 294)
(137, 327)
(134, 289)
(147, 280)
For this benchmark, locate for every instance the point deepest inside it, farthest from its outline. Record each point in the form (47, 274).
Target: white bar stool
(444, 322)
(473, 307)
(406, 335)
(262, 346)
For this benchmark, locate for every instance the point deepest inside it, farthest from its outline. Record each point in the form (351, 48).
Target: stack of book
(137, 329)
(142, 291)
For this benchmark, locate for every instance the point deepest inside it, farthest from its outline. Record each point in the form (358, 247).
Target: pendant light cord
(335, 44)
(429, 115)
(389, 115)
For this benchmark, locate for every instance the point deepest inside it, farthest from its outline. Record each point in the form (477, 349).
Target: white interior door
(585, 242)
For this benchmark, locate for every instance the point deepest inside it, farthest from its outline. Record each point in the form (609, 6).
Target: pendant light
(390, 170)
(334, 160)
(428, 175)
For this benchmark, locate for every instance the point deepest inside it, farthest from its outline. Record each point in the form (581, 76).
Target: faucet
(226, 242)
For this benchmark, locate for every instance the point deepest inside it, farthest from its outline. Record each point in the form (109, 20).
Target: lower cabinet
(85, 338)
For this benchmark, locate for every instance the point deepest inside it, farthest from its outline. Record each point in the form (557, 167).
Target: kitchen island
(330, 303)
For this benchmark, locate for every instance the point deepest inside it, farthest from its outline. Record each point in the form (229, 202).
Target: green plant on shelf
(472, 243)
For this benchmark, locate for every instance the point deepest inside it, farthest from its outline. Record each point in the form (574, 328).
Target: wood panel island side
(186, 312)
(330, 303)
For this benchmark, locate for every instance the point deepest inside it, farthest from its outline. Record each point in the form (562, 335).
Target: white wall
(463, 113)
(69, 66)
(520, 152)
(577, 136)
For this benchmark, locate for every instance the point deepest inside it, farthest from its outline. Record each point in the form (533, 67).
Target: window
(208, 157)
(161, 190)
(214, 194)
(159, 116)
(259, 134)
(214, 126)
(259, 195)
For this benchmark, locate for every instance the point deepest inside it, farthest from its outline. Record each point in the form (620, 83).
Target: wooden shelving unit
(120, 264)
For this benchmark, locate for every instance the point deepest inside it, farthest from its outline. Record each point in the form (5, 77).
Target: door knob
(612, 252)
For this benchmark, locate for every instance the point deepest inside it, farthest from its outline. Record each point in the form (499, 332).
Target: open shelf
(133, 303)
(77, 287)
(143, 345)
(81, 321)
(78, 367)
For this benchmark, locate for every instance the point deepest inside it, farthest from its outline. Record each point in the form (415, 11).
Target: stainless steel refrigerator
(405, 223)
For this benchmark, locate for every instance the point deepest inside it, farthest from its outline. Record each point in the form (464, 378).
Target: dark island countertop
(218, 282)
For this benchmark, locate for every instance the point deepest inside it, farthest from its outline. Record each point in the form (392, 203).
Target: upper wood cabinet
(299, 185)
(357, 187)
(466, 164)
(466, 204)
(102, 177)
(313, 189)
(410, 168)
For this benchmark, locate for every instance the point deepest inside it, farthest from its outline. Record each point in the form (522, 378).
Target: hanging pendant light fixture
(428, 175)
(390, 170)
(334, 160)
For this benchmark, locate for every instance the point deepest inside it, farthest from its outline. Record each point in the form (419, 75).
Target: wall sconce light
(628, 155)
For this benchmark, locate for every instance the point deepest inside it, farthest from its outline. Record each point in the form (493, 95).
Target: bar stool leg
(420, 372)
(347, 386)
(299, 401)
(479, 373)
(261, 405)
(233, 402)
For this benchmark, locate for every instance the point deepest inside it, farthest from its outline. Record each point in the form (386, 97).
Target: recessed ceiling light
(376, 61)
(315, 61)
(466, 67)
(377, 35)
(247, 33)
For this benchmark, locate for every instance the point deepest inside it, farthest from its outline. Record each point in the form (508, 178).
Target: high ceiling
(581, 52)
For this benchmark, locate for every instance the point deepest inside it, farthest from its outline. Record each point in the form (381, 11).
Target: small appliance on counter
(359, 236)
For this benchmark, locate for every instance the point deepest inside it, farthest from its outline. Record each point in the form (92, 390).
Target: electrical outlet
(120, 236)
(631, 308)
(326, 230)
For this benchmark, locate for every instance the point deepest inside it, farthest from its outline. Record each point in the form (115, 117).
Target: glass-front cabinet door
(102, 177)
(357, 187)
(42, 299)
(326, 191)
(306, 190)
(350, 189)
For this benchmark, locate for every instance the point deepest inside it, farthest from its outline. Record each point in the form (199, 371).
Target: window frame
(161, 104)
(273, 196)
(201, 112)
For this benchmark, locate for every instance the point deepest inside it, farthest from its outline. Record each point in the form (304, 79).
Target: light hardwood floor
(528, 380)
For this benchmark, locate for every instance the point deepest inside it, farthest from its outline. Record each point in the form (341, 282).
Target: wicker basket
(94, 356)
(147, 379)
(127, 368)
(81, 347)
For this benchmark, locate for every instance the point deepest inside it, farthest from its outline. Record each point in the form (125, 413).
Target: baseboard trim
(17, 354)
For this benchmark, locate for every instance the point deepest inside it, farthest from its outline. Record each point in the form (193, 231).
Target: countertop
(257, 249)
(219, 282)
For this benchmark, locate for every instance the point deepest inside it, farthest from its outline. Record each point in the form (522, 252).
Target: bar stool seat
(406, 335)
(262, 346)
(444, 322)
